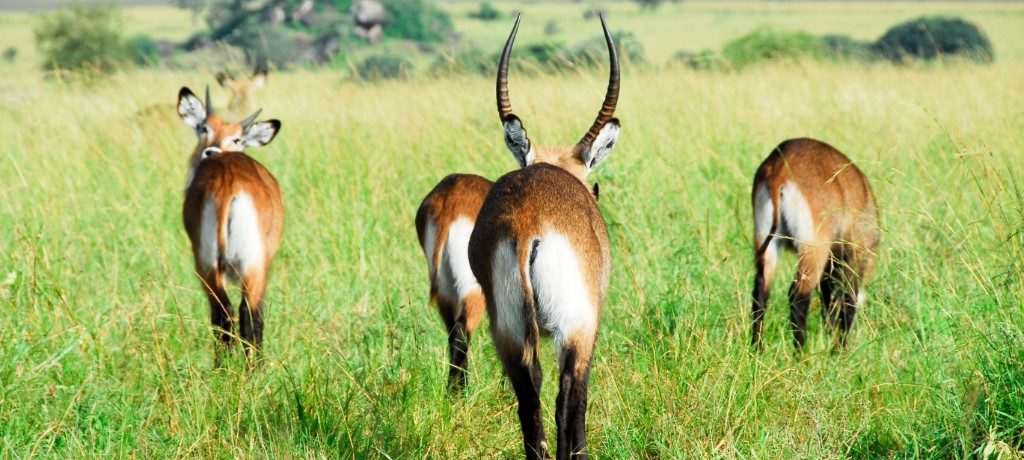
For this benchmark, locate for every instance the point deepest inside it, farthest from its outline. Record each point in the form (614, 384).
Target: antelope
(810, 198)
(233, 214)
(242, 89)
(444, 222)
(540, 251)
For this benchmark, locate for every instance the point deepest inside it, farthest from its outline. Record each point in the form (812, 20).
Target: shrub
(487, 12)
(83, 38)
(385, 67)
(704, 60)
(417, 20)
(846, 47)
(930, 37)
(10, 53)
(765, 44)
(143, 50)
(470, 61)
(593, 52)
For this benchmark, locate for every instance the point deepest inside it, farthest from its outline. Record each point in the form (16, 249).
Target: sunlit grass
(106, 348)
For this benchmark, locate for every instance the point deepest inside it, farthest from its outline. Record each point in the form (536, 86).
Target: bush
(593, 52)
(846, 47)
(83, 38)
(417, 20)
(385, 67)
(765, 44)
(487, 12)
(704, 60)
(470, 61)
(143, 50)
(928, 38)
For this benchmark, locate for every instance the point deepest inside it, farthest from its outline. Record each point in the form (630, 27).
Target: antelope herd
(531, 249)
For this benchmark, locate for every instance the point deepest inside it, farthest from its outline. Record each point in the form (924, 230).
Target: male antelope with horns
(809, 197)
(233, 214)
(444, 222)
(540, 251)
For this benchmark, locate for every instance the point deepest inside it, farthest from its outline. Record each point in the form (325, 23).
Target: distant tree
(487, 12)
(83, 38)
(928, 38)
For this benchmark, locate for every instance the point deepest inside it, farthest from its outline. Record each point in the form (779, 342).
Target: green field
(105, 346)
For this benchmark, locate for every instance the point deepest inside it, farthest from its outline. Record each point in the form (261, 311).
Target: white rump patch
(796, 216)
(764, 214)
(508, 292)
(456, 280)
(207, 254)
(429, 240)
(244, 244)
(564, 305)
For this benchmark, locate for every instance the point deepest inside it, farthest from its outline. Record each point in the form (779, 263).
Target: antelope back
(816, 193)
(444, 221)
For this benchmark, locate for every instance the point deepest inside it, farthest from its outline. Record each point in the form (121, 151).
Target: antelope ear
(190, 108)
(261, 133)
(602, 145)
(517, 141)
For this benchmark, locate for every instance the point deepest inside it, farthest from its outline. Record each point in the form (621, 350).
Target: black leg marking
(221, 311)
(571, 407)
(526, 381)
(799, 304)
(251, 325)
(458, 352)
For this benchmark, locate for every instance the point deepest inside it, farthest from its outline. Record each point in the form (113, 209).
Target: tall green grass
(105, 347)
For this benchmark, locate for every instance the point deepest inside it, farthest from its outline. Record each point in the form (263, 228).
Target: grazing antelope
(242, 89)
(233, 214)
(540, 251)
(444, 222)
(812, 199)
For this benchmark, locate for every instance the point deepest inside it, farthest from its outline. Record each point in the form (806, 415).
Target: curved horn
(504, 105)
(209, 105)
(612, 97)
(247, 122)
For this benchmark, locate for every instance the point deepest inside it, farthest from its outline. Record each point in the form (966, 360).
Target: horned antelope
(540, 251)
(810, 198)
(233, 215)
(444, 222)
(242, 89)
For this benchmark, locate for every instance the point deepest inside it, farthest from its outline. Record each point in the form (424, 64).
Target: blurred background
(381, 39)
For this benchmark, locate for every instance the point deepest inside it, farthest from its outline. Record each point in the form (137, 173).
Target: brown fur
(549, 194)
(456, 196)
(222, 177)
(219, 175)
(845, 223)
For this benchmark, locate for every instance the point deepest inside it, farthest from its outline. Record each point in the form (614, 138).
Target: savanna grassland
(105, 344)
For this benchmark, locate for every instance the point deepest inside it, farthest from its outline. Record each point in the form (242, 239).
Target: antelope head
(591, 150)
(216, 135)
